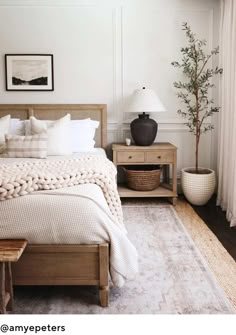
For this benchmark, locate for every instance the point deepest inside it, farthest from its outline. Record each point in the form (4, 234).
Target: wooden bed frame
(64, 264)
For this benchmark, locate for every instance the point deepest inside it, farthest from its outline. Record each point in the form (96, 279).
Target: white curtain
(226, 196)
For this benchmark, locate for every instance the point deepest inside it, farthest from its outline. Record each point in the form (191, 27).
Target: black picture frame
(29, 72)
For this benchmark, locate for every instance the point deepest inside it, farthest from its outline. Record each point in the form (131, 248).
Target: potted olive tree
(198, 183)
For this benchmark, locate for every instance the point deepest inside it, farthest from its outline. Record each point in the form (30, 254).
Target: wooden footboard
(65, 265)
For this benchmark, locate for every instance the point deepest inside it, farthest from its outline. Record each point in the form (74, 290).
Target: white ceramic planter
(198, 188)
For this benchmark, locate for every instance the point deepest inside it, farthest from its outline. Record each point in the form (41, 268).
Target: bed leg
(103, 274)
(104, 295)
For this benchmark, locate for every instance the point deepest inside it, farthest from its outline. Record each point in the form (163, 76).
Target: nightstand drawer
(130, 156)
(159, 157)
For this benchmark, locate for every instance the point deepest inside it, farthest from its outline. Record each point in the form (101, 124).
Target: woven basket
(142, 178)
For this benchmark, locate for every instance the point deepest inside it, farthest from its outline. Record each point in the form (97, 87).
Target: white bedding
(73, 215)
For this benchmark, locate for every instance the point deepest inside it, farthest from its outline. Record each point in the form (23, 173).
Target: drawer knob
(130, 157)
(158, 157)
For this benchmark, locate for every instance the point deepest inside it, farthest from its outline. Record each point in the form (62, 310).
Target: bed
(64, 263)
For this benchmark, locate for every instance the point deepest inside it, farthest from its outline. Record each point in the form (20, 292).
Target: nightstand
(164, 154)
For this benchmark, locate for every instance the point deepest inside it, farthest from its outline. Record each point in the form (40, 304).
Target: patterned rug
(173, 279)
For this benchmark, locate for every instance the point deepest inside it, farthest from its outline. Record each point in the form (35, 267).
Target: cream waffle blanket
(78, 214)
(28, 176)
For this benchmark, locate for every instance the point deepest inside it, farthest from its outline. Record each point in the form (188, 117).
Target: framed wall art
(29, 72)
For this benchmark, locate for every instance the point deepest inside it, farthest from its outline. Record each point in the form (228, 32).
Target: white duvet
(73, 215)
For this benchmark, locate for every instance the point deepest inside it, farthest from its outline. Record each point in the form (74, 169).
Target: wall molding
(126, 131)
(166, 122)
(117, 62)
(112, 136)
(116, 22)
(116, 13)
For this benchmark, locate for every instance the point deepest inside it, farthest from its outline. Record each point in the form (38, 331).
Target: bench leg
(2, 288)
(6, 289)
(9, 286)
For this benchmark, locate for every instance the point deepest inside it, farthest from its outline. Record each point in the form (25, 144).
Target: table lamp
(143, 129)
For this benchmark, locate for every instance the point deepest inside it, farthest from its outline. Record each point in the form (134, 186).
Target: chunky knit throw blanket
(25, 177)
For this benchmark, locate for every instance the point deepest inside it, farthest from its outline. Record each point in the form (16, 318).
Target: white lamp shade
(145, 100)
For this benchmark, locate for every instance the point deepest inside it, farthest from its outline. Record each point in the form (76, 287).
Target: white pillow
(27, 124)
(17, 127)
(27, 128)
(83, 133)
(59, 136)
(4, 129)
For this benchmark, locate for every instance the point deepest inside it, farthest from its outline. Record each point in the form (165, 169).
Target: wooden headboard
(56, 111)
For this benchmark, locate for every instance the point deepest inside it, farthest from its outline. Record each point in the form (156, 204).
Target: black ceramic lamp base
(143, 130)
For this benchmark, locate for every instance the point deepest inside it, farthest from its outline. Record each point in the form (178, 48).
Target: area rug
(174, 278)
(219, 260)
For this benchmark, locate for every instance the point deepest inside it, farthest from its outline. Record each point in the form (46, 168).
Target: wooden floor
(215, 219)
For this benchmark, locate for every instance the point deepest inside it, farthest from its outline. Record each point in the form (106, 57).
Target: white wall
(105, 49)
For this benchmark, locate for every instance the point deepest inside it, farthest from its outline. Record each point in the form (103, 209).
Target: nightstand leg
(173, 200)
(166, 174)
(174, 172)
(2, 288)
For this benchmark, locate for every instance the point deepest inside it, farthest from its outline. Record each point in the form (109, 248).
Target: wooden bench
(10, 251)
